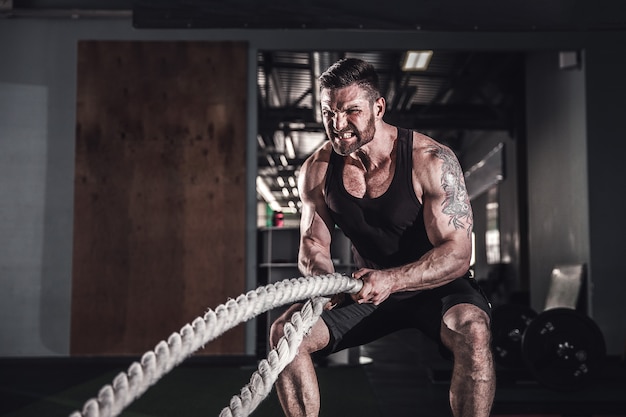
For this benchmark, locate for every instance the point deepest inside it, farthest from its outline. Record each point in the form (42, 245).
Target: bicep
(315, 220)
(314, 225)
(447, 210)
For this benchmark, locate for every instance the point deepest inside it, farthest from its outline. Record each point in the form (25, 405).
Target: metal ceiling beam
(454, 15)
(448, 15)
(65, 14)
(456, 116)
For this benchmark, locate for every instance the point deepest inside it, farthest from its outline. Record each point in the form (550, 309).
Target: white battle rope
(126, 387)
(263, 379)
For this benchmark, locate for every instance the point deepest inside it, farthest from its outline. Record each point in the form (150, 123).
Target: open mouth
(344, 135)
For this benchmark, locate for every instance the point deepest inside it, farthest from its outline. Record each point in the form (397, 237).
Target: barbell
(562, 348)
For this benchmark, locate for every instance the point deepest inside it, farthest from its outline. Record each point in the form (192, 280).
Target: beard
(347, 146)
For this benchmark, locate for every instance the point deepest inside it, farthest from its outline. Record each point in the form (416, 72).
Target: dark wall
(606, 107)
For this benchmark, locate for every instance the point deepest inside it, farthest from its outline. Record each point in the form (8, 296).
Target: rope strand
(126, 387)
(263, 379)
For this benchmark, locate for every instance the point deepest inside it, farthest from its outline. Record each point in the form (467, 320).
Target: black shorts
(353, 324)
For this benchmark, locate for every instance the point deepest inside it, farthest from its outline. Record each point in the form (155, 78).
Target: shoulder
(313, 171)
(433, 163)
(318, 161)
(427, 149)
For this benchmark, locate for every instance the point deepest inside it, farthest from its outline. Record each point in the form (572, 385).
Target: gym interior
(148, 159)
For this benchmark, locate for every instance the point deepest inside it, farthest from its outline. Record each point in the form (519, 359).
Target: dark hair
(350, 71)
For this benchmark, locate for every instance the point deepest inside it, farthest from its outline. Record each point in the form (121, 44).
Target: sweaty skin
(355, 128)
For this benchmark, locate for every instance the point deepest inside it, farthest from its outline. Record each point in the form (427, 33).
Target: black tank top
(385, 231)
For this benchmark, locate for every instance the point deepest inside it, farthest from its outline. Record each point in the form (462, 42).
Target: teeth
(346, 135)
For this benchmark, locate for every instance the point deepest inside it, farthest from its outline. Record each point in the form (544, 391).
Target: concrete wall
(37, 122)
(557, 170)
(575, 178)
(23, 170)
(606, 107)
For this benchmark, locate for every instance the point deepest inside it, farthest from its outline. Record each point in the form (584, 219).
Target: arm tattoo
(456, 203)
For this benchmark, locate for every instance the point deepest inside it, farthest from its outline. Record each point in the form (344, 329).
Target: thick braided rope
(113, 398)
(263, 379)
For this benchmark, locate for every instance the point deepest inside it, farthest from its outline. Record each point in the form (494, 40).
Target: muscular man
(400, 197)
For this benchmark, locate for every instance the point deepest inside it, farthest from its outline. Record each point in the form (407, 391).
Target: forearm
(437, 267)
(314, 259)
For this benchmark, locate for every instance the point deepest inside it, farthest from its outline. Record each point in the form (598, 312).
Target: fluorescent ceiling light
(289, 150)
(416, 60)
(260, 141)
(266, 193)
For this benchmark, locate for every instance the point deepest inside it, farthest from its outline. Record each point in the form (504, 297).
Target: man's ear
(379, 107)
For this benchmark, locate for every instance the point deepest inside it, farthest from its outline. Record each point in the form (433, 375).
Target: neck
(378, 152)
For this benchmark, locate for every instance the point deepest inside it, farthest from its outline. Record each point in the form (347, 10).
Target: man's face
(348, 118)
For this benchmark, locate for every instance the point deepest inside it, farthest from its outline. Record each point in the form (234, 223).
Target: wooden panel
(159, 229)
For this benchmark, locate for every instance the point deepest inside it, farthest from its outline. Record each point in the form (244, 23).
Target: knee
(277, 329)
(469, 336)
(472, 352)
(315, 339)
(476, 335)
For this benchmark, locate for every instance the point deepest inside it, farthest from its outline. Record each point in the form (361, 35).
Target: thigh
(356, 324)
(464, 291)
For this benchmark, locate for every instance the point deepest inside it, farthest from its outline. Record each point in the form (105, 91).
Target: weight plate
(563, 348)
(509, 321)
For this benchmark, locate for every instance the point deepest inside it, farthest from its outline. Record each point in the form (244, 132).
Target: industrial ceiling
(460, 91)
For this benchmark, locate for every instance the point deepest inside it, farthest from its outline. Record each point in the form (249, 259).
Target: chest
(371, 183)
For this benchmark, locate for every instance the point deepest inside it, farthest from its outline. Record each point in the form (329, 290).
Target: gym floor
(406, 377)
(411, 379)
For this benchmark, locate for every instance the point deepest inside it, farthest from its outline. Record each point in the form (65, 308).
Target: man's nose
(341, 121)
